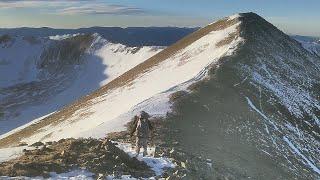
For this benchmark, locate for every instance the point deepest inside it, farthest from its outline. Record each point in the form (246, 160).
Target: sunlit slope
(105, 110)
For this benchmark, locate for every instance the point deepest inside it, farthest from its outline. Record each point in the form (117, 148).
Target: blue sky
(292, 16)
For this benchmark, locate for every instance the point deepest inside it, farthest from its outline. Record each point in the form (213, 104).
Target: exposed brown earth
(228, 39)
(67, 51)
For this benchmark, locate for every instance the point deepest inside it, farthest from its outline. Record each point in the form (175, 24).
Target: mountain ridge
(131, 36)
(141, 68)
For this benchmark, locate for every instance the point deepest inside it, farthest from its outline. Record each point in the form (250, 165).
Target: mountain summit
(239, 88)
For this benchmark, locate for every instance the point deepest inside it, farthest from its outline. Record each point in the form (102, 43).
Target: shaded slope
(46, 75)
(216, 123)
(257, 115)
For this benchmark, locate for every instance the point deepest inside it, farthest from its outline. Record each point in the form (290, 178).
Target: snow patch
(7, 154)
(72, 175)
(297, 151)
(62, 37)
(156, 164)
(262, 114)
(234, 16)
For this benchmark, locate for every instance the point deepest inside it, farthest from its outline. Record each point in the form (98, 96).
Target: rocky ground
(187, 166)
(103, 157)
(96, 156)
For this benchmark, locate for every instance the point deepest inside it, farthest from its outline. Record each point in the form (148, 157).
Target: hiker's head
(144, 115)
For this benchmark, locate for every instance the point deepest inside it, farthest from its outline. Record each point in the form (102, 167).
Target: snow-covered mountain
(310, 43)
(238, 91)
(130, 36)
(40, 75)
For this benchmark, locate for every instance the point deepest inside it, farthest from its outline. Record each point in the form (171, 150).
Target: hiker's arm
(150, 125)
(134, 126)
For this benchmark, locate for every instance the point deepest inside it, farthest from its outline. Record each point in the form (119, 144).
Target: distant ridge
(131, 36)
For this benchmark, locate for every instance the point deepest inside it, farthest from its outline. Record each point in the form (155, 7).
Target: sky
(292, 16)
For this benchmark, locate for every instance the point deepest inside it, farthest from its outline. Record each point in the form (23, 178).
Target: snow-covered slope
(313, 47)
(311, 44)
(185, 61)
(47, 74)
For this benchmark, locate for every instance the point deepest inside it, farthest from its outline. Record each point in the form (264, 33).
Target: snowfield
(19, 67)
(101, 63)
(104, 111)
(311, 45)
(156, 164)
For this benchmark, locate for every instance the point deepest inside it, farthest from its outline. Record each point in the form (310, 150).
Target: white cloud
(34, 4)
(71, 7)
(101, 8)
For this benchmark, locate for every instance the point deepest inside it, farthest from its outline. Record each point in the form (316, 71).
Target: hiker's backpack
(142, 128)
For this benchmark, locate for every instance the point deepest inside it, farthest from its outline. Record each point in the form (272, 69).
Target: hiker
(142, 126)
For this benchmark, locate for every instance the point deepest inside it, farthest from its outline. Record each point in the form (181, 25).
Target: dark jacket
(143, 133)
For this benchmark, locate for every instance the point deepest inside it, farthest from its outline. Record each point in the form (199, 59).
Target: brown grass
(227, 40)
